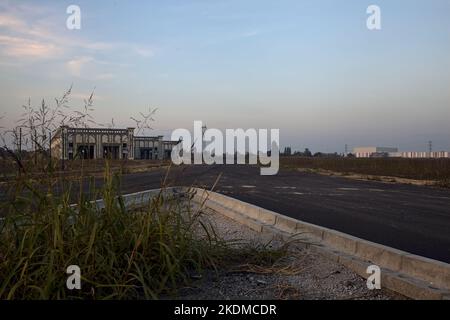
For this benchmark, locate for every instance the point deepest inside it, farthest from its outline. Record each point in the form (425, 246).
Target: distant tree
(334, 155)
(287, 151)
(307, 153)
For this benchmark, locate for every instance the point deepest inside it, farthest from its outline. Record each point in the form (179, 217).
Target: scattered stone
(315, 276)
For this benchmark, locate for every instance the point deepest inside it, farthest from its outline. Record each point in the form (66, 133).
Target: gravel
(300, 274)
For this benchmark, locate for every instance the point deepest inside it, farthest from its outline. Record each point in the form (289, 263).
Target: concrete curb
(408, 274)
(142, 197)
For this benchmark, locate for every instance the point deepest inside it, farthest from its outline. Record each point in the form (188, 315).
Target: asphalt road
(415, 219)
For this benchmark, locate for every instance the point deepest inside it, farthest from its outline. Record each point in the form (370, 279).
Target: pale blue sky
(310, 68)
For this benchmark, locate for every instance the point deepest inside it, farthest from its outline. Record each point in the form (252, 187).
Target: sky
(309, 68)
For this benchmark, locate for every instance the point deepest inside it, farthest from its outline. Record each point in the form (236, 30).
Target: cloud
(9, 21)
(20, 40)
(20, 47)
(144, 52)
(87, 67)
(249, 34)
(25, 36)
(105, 76)
(85, 96)
(76, 65)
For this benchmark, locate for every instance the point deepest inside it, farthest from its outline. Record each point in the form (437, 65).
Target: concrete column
(64, 143)
(130, 143)
(160, 148)
(98, 143)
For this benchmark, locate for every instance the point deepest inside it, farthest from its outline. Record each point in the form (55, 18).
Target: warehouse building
(379, 152)
(370, 152)
(421, 154)
(97, 143)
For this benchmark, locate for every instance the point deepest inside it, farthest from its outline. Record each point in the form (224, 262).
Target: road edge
(411, 275)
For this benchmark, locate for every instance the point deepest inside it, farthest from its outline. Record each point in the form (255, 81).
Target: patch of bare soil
(368, 177)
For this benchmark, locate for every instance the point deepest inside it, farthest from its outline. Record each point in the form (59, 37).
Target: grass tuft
(138, 253)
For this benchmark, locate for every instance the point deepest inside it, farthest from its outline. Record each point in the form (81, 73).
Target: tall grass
(122, 253)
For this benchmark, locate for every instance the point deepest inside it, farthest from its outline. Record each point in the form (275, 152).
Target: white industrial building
(374, 152)
(422, 154)
(368, 152)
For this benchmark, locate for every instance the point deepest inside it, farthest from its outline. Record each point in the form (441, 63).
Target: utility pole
(203, 136)
(430, 147)
(20, 143)
(35, 147)
(50, 146)
(63, 151)
(203, 130)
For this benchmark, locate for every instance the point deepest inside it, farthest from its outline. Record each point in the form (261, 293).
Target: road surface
(411, 218)
(415, 219)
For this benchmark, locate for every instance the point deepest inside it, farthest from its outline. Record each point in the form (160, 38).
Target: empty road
(411, 218)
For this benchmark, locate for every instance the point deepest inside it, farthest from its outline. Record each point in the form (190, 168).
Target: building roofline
(159, 137)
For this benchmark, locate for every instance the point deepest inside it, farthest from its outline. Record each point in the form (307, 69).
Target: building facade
(421, 154)
(98, 143)
(374, 152)
(368, 152)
